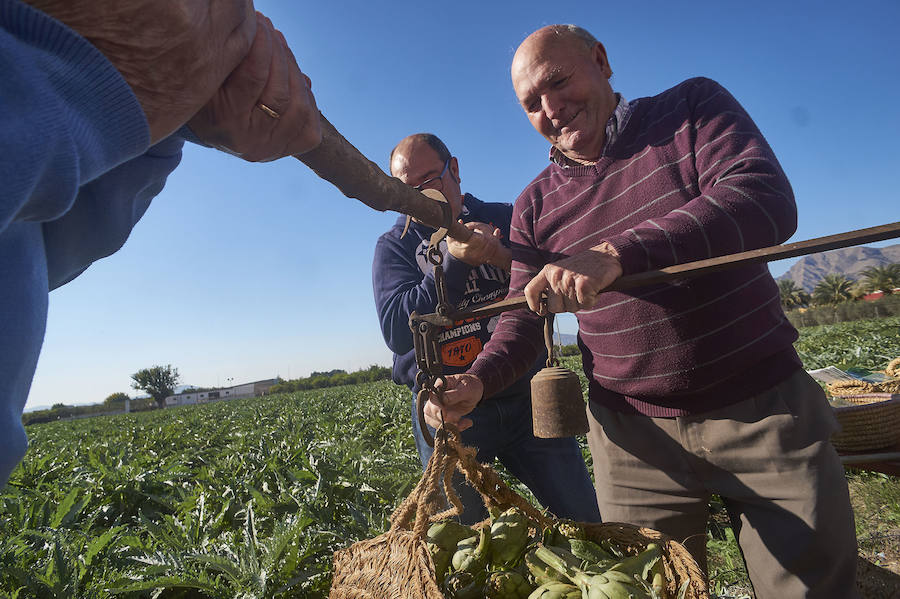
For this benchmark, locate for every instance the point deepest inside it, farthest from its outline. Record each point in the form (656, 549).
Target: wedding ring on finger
(272, 113)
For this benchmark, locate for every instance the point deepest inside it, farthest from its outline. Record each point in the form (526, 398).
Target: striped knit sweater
(688, 177)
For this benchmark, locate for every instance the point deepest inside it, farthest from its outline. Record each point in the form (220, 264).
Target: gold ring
(268, 111)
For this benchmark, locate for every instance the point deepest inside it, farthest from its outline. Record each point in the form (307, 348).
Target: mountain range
(850, 262)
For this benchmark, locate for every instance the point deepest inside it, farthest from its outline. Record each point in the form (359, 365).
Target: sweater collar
(614, 126)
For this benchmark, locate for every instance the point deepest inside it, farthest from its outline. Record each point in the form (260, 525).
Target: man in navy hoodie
(476, 272)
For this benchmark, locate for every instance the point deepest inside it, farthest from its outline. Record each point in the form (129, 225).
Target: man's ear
(598, 53)
(454, 168)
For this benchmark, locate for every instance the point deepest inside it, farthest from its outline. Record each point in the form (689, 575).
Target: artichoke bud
(509, 537)
(540, 572)
(617, 586)
(560, 533)
(463, 585)
(441, 559)
(642, 565)
(470, 557)
(556, 590)
(448, 533)
(506, 585)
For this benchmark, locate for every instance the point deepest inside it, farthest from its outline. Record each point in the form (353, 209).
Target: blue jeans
(553, 469)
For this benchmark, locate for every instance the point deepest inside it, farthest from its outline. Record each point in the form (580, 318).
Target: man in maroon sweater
(695, 387)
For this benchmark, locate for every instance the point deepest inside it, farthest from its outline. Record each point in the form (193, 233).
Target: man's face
(416, 163)
(563, 86)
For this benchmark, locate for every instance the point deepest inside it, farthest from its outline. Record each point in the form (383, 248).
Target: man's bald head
(561, 77)
(405, 146)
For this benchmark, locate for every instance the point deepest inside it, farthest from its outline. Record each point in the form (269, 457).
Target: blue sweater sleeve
(66, 116)
(107, 207)
(75, 175)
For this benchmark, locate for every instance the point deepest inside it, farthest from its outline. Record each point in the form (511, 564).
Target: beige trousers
(768, 458)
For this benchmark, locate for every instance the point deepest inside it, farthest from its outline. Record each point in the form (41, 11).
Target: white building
(189, 396)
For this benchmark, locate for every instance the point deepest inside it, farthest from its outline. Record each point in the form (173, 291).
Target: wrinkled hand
(574, 283)
(173, 53)
(233, 121)
(461, 394)
(483, 247)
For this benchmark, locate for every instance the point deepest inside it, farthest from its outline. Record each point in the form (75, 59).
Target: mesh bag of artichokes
(518, 553)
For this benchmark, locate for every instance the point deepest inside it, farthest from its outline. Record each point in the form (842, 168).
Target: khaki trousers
(769, 458)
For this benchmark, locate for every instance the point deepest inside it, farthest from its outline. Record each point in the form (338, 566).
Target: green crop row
(246, 498)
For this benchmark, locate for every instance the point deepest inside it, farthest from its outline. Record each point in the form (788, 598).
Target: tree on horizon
(792, 295)
(832, 290)
(882, 278)
(158, 381)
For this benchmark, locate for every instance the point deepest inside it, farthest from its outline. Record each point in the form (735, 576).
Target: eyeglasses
(435, 182)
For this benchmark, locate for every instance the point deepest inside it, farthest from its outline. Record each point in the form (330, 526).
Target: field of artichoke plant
(249, 498)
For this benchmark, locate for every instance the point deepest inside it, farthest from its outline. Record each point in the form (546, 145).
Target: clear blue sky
(247, 271)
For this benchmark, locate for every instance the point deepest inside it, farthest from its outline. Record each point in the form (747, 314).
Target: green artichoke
(442, 540)
(448, 533)
(464, 585)
(609, 585)
(560, 533)
(644, 565)
(506, 585)
(470, 557)
(509, 537)
(540, 572)
(556, 590)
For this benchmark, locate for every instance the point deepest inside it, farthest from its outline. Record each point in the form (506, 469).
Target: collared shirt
(614, 125)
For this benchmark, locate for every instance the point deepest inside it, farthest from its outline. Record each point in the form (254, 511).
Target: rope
(892, 385)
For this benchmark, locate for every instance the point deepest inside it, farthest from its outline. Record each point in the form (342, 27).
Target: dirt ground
(877, 582)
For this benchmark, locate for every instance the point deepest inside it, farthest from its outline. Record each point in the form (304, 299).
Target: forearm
(66, 116)
(511, 353)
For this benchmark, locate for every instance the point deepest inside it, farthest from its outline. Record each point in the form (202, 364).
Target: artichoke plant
(470, 557)
(556, 590)
(442, 540)
(506, 585)
(509, 537)
(609, 585)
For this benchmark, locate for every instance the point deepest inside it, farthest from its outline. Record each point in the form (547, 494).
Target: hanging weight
(557, 404)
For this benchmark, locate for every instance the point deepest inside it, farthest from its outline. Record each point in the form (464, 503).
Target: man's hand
(461, 395)
(574, 283)
(233, 120)
(483, 247)
(174, 54)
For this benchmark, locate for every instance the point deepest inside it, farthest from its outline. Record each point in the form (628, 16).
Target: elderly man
(476, 272)
(695, 387)
(93, 103)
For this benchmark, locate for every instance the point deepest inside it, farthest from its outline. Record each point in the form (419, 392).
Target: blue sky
(247, 271)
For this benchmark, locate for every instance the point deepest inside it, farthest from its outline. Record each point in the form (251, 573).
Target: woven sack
(873, 423)
(397, 564)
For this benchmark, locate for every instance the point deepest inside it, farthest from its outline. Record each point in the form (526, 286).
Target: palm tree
(882, 278)
(792, 295)
(833, 290)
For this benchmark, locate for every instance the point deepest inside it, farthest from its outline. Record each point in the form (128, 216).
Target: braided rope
(892, 385)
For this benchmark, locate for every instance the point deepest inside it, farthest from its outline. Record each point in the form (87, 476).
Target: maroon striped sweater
(688, 177)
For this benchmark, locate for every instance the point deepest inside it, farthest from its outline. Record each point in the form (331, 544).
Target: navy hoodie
(403, 282)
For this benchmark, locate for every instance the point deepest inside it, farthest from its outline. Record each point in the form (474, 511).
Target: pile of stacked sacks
(512, 558)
